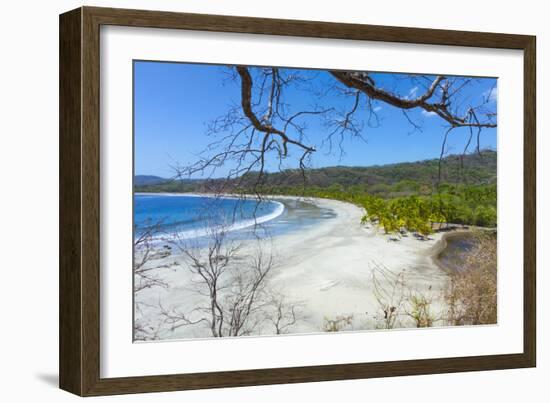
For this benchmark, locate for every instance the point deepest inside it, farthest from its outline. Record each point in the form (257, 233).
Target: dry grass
(472, 293)
(421, 310)
(337, 324)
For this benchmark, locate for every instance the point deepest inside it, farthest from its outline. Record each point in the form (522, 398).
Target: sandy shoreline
(332, 269)
(328, 269)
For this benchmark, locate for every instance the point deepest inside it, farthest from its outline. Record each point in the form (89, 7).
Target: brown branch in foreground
(364, 83)
(267, 128)
(261, 131)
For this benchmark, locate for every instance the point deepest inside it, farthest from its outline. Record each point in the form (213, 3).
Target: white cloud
(428, 114)
(412, 93)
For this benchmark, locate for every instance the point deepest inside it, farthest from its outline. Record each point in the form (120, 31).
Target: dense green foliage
(458, 204)
(407, 196)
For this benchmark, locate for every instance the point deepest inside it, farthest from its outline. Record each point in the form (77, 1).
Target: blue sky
(173, 103)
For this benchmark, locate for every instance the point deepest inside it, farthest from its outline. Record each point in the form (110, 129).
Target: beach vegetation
(417, 213)
(337, 323)
(420, 310)
(471, 295)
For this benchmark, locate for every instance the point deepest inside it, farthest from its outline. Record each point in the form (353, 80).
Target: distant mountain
(473, 169)
(152, 183)
(144, 180)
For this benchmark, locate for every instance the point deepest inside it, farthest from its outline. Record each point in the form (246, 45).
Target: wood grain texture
(530, 203)
(70, 271)
(90, 202)
(80, 200)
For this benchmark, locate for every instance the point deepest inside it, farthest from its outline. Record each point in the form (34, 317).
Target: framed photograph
(249, 201)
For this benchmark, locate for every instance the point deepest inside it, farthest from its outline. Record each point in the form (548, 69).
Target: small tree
(234, 287)
(150, 254)
(281, 313)
(420, 310)
(337, 323)
(389, 291)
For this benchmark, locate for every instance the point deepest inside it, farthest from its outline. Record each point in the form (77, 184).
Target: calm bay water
(190, 215)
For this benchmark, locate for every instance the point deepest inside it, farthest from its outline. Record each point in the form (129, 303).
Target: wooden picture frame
(79, 346)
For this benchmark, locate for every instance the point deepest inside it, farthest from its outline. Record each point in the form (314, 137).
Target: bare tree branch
(237, 297)
(262, 132)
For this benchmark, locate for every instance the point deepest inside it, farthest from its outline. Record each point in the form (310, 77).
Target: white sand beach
(328, 269)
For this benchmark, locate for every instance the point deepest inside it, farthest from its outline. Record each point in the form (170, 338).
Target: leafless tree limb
(262, 132)
(364, 83)
(237, 295)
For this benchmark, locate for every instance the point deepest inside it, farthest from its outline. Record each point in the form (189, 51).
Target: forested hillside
(395, 179)
(384, 180)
